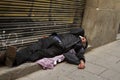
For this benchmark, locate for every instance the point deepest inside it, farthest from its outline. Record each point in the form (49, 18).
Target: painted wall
(101, 21)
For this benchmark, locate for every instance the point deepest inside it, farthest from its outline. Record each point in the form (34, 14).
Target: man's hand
(81, 65)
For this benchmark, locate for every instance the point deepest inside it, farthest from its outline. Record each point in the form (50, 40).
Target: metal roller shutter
(24, 21)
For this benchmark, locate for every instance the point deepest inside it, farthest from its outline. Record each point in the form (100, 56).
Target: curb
(20, 71)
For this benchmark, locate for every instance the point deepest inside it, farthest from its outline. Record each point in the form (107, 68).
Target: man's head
(83, 39)
(80, 32)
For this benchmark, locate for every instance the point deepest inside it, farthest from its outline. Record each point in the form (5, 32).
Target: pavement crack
(102, 72)
(117, 61)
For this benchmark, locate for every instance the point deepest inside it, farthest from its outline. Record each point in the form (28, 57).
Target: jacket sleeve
(71, 57)
(80, 51)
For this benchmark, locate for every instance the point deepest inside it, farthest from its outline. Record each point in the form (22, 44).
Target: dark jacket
(70, 41)
(65, 43)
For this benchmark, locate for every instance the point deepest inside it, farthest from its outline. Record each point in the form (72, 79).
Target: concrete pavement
(103, 63)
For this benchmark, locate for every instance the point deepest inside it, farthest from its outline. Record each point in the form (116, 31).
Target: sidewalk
(102, 63)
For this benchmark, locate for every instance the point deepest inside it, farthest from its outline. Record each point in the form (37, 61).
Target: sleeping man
(51, 46)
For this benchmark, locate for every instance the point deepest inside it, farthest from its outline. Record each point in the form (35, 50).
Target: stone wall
(100, 21)
(117, 9)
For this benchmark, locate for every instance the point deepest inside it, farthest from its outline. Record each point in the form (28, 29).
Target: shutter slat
(25, 21)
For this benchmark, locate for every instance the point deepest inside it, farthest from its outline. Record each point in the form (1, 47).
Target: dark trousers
(36, 51)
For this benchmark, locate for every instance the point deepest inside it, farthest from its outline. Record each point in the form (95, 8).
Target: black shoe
(2, 58)
(10, 56)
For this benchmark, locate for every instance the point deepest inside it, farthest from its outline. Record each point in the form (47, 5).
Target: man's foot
(10, 56)
(81, 65)
(2, 58)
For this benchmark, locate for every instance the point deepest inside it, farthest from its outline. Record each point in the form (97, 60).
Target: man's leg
(22, 56)
(31, 53)
(28, 53)
(14, 57)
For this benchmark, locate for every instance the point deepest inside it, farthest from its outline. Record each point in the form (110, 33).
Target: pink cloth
(49, 63)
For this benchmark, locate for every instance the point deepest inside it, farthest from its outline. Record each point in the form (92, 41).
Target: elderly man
(51, 46)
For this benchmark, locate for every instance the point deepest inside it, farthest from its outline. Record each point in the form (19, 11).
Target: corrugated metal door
(24, 21)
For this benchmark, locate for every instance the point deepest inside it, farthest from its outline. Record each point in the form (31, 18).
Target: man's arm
(71, 57)
(80, 50)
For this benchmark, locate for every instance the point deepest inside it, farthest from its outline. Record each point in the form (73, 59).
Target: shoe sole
(10, 56)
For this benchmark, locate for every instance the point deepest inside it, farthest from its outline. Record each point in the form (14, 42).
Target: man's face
(83, 39)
